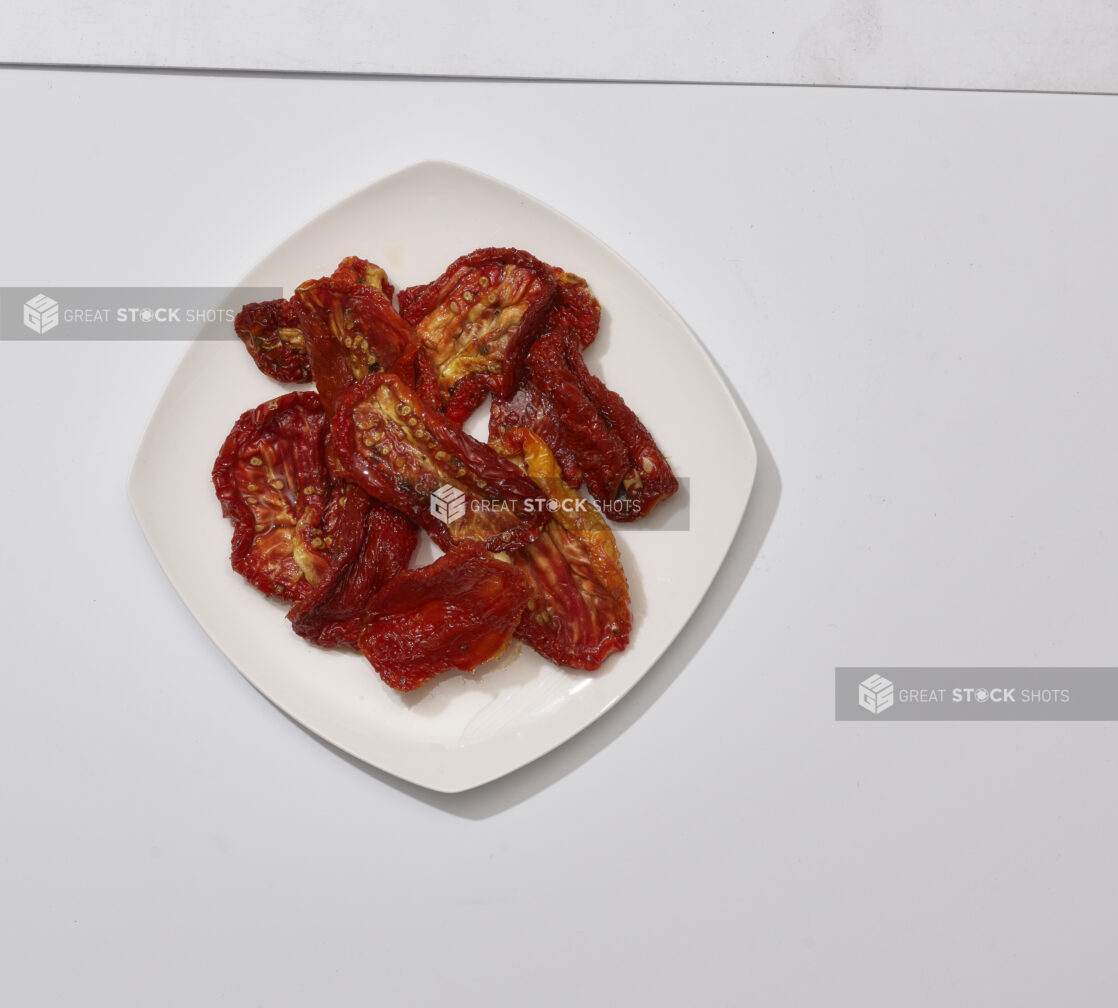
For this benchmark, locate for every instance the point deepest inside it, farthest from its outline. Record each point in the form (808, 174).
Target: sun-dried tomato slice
(588, 428)
(579, 610)
(457, 612)
(350, 330)
(575, 307)
(271, 478)
(585, 433)
(408, 303)
(416, 369)
(270, 332)
(372, 544)
(530, 407)
(401, 451)
(648, 479)
(356, 270)
(477, 321)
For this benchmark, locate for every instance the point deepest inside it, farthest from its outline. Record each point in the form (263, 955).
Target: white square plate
(461, 731)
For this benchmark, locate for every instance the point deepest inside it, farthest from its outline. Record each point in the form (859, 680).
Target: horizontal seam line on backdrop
(474, 78)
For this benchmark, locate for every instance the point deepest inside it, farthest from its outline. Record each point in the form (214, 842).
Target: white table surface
(1009, 44)
(913, 295)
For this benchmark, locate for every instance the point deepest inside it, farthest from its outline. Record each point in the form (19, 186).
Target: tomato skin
(648, 478)
(530, 408)
(408, 303)
(595, 436)
(354, 269)
(578, 613)
(399, 450)
(272, 480)
(274, 334)
(372, 544)
(575, 307)
(417, 371)
(316, 540)
(585, 435)
(477, 321)
(455, 613)
(271, 333)
(350, 330)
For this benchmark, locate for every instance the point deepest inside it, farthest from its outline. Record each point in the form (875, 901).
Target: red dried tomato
(350, 331)
(589, 428)
(354, 269)
(531, 408)
(270, 332)
(372, 544)
(585, 434)
(272, 480)
(457, 612)
(401, 451)
(477, 321)
(575, 307)
(578, 613)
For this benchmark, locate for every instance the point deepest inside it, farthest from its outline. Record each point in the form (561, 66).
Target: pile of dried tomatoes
(328, 489)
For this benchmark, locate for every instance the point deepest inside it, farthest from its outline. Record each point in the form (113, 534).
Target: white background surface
(912, 294)
(1011, 44)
